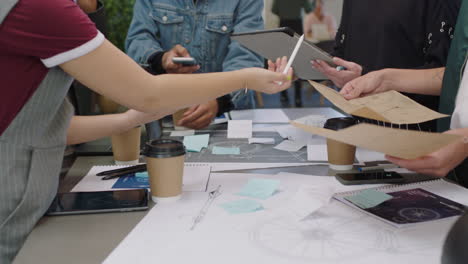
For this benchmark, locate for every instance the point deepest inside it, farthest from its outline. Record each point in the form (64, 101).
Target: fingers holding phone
(178, 60)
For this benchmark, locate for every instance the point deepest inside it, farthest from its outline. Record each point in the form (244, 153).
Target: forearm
(109, 72)
(428, 82)
(87, 128)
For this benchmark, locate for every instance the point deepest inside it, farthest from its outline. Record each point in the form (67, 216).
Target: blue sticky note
(260, 188)
(368, 198)
(141, 174)
(225, 151)
(130, 181)
(242, 206)
(196, 143)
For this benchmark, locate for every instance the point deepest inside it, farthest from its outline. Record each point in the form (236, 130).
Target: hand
(265, 81)
(135, 118)
(279, 65)
(339, 78)
(88, 6)
(439, 163)
(170, 67)
(200, 116)
(371, 83)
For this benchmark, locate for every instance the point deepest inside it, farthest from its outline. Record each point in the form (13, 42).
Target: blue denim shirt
(203, 28)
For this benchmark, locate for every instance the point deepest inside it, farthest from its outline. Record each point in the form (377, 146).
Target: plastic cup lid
(163, 148)
(340, 123)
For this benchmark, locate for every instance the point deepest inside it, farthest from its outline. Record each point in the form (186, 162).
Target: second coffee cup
(126, 147)
(165, 164)
(340, 155)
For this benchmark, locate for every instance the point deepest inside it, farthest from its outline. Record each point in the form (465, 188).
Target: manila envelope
(391, 106)
(405, 144)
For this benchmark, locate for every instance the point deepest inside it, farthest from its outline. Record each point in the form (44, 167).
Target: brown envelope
(406, 144)
(391, 106)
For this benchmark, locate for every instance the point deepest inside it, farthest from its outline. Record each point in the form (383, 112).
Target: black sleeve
(340, 38)
(224, 104)
(99, 18)
(155, 63)
(441, 19)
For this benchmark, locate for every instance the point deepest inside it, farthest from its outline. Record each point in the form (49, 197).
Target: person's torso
(203, 28)
(385, 34)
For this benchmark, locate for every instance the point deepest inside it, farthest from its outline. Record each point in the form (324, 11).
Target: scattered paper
(182, 133)
(406, 144)
(312, 120)
(261, 141)
(390, 106)
(368, 198)
(365, 155)
(195, 179)
(239, 129)
(242, 206)
(317, 196)
(196, 143)
(260, 115)
(290, 145)
(317, 152)
(260, 188)
(225, 151)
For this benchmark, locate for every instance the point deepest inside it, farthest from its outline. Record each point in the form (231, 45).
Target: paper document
(391, 106)
(365, 155)
(406, 144)
(260, 115)
(239, 129)
(290, 145)
(317, 152)
(261, 141)
(182, 133)
(195, 179)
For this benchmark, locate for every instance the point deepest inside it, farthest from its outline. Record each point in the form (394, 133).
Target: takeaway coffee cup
(165, 163)
(340, 155)
(126, 147)
(176, 117)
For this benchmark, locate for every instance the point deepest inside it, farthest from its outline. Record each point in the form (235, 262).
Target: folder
(279, 42)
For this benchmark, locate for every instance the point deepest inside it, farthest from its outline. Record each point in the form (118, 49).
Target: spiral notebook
(414, 203)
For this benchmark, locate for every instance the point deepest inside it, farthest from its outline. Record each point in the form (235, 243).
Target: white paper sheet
(290, 145)
(261, 141)
(317, 152)
(260, 115)
(182, 133)
(195, 179)
(365, 155)
(239, 129)
(333, 234)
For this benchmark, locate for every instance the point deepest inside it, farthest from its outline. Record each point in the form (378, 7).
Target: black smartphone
(185, 61)
(99, 202)
(371, 177)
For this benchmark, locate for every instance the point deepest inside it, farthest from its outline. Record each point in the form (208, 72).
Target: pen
(293, 55)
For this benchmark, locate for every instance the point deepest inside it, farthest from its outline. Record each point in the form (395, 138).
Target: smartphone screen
(370, 177)
(99, 202)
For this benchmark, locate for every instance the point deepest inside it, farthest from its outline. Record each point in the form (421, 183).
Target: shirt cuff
(224, 104)
(155, 62)
(74, 53)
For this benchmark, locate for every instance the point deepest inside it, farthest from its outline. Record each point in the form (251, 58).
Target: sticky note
(368, 198)
(196, 143)
(141, 174)
(225, 151)
(290, 145)
(259, 188)
(242, 206)
(239, 129)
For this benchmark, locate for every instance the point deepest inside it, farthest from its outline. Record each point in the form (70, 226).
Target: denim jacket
(203, 28)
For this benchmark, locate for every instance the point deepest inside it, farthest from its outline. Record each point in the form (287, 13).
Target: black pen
(131, 168)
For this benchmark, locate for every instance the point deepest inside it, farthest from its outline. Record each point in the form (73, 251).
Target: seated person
(163, 29)
(318, 25)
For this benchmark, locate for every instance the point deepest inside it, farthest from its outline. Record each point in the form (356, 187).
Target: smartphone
(374, 177)
(185, 61)
(99, 202)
